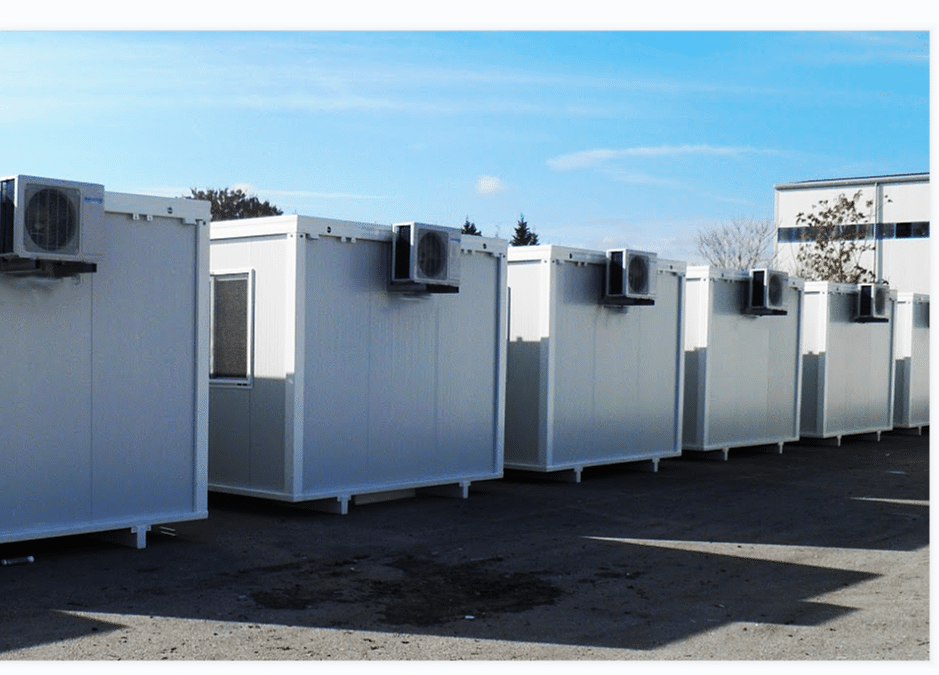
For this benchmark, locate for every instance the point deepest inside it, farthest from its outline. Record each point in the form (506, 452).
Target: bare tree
(741, 243)
(837, 238)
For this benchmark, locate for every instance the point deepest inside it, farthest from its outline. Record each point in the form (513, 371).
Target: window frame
(233, 275)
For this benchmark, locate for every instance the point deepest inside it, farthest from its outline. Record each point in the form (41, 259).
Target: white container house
(848, 363)
(104, 365)
(911, 349)
(354, 362)
(743, 359)
(595, 359)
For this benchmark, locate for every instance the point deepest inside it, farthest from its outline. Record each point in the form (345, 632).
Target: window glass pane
(786, 235)
(230, 327)
(904, 230)
(885, 230)
(848, 231)
(921, 230)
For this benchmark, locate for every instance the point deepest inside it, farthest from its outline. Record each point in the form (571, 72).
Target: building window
(921, 230)
(916, 230)
(904, 230)
(232, 319)
(855, 231)
(886, 230)
(786, 235)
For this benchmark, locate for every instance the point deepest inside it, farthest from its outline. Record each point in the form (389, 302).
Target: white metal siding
(358, 389)
(400, 390)
(589, 384)
(743, 371)
(247, 423)
(912, 361)
(46, 411)
(142, 389)
(849, 381)
(104, 416)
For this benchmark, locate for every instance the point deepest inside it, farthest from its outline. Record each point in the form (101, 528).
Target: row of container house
(150, 356)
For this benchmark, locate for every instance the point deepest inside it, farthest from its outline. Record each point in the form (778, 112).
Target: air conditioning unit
(767, 292)
(43, 223)
(425, 258)
(630, 277)
(873, 302)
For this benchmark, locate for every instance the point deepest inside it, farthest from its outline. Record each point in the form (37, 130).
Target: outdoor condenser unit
(767, 291)
(911, 351)
(104, 409)
(848, 362)
(337, 378)
(743, 359)
(592, 380)
(44, 224)
(425, 258)
(873, 302)
(630, 277)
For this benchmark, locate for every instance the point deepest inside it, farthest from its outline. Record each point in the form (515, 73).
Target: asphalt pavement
(820, 553)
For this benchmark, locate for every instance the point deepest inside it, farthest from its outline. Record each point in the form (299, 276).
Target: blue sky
(601, 139)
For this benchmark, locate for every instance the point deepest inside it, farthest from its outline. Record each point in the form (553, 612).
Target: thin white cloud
(586, 159)
(489, 185)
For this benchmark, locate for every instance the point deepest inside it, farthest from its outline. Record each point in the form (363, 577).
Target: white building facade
(896, 224)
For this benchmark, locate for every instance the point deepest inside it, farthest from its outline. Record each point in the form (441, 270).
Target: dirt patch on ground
(410, 590)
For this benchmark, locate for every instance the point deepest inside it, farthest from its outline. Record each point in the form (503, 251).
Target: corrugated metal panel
(742, 371)
(589, 384)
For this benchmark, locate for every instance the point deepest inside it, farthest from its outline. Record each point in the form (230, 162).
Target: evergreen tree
(524, 236)
(470, 228)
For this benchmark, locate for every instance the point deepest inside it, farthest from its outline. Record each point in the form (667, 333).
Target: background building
(896, 223)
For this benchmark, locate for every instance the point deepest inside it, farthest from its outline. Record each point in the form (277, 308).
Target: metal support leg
(455, 490)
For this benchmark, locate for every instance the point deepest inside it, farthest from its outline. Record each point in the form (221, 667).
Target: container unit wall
(848, 380)
(911, 347)
(589, 384)
(355, 390)
(742, 370)
(105, 405)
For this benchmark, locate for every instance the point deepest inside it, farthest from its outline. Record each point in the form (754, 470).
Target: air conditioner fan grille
(432, 255)
(639, 275)
(880, 300)
(51, 219)
(774, 290)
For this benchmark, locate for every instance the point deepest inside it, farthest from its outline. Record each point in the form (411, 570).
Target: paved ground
(820, 553)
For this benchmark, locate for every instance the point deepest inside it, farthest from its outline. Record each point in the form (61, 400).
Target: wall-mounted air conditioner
(873, 303)
(630, 277)
(425, 258)
(44, 219)
(767, 292)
